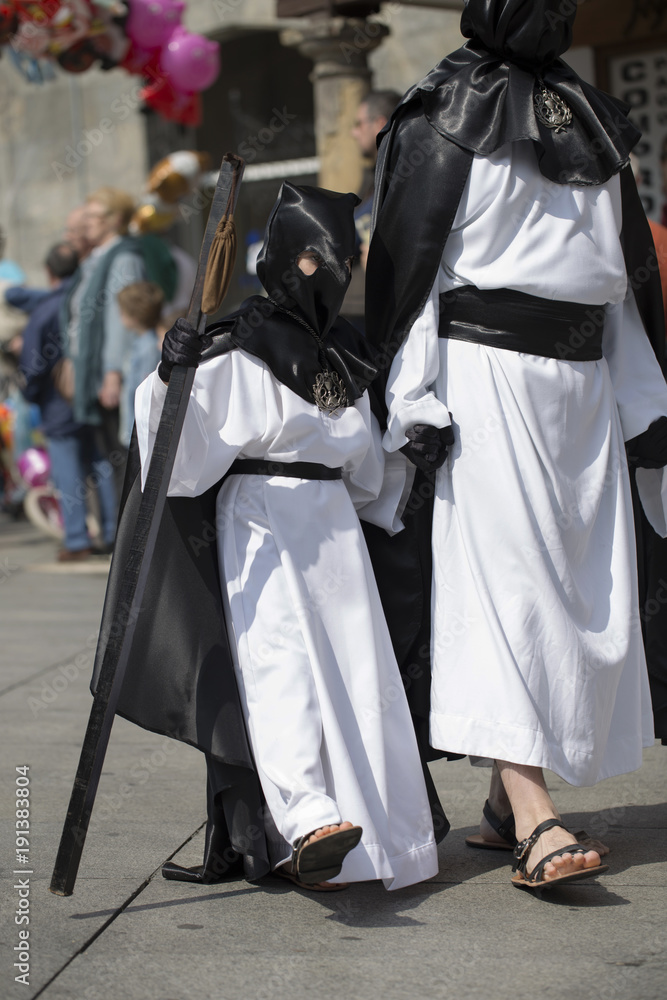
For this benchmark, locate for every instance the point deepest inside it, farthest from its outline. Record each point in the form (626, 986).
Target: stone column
(341, 78)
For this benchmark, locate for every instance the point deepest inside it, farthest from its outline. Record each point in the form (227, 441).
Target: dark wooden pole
(136, 569)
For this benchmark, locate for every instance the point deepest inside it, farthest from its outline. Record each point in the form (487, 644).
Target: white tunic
(537, 648)
(324, 704)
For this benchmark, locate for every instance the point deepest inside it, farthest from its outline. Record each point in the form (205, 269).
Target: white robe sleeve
(410, 399)
(379, 484)
(641, 395)
(226, 411)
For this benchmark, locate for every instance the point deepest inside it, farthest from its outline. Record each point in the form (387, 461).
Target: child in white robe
(324, 705)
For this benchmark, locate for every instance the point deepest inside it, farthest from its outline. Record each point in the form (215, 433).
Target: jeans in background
(73, 458)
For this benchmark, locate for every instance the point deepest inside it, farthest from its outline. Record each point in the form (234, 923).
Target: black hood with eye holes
(303, 218)
(309, 219)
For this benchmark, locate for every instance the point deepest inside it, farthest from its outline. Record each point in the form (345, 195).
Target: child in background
(140, 312)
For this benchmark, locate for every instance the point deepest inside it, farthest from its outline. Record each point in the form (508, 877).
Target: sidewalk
(127, 934)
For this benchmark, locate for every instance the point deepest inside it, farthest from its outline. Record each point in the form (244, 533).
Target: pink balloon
(151, 22)
(34, 466)
(190, 62)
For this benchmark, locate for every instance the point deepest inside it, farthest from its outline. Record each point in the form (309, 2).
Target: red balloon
(173, 104)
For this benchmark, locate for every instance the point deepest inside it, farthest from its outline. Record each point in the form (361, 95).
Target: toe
(550, 870)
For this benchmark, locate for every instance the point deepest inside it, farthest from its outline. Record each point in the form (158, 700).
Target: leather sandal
(535, 880)
(283, 872)
(504, 828)
(322, 859)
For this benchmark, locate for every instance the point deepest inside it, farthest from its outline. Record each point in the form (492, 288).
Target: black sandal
(322, 859)
(284, 872)
(504, 828)
(535, 880)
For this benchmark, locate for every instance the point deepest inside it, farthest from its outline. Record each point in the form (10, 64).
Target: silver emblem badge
(329, 392)
(550, 109)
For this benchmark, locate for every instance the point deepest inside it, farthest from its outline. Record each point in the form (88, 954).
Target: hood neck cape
(504, 84)
(291, 353)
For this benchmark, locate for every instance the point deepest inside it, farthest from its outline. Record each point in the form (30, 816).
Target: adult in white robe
(324, 705)
(536, 641)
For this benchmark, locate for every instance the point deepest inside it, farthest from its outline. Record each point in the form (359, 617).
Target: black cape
(420, 177)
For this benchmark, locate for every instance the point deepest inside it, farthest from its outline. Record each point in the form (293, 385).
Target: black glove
(182, 345)
(427, 446)
(649, 449)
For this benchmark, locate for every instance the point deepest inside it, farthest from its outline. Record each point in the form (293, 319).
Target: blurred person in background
(9, 269)
(372, 115)
(97, 342)
(12, 319)
(71, 447)
(140, 311)
(26, 299)
(76, 232)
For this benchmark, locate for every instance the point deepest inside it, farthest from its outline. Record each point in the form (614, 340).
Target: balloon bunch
(74, 33)
(177, 62)
(145, 37)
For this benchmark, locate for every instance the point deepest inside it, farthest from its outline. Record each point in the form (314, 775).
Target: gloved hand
(182, 345)
(649, 449)
(427, 446)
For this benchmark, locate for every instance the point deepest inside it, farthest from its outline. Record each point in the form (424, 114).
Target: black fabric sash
(293, 470)
(515, 321)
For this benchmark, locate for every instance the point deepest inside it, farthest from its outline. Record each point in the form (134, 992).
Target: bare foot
(324, 831)
(561, 864)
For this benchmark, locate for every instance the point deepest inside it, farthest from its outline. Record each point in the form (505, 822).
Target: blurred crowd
(74, 352)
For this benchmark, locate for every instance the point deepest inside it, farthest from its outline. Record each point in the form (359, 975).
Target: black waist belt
(293, 470)
(515, 321)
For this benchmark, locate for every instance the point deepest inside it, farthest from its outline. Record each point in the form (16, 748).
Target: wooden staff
(218, 246)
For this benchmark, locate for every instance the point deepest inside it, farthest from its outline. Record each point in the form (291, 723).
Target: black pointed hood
(309, 219)
(532, 32)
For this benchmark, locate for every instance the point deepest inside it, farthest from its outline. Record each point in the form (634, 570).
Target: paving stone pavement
(128, 934)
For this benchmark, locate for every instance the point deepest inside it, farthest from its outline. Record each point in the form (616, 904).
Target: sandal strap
(296, 851)
(523, 848)
(537, 873)
(504, 828)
